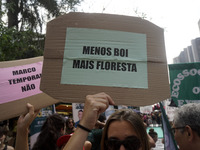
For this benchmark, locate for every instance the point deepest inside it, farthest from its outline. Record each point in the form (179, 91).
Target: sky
(178, 18)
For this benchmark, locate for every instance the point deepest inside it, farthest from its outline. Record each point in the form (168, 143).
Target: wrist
(86, 124)
(83, 128)
(22, 131)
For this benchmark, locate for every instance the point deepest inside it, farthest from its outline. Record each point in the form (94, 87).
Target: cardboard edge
(6, 64)
(38, 101)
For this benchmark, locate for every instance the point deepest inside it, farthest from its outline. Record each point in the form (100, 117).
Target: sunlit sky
(179, 18)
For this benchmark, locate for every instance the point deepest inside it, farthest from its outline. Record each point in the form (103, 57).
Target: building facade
(189, 54)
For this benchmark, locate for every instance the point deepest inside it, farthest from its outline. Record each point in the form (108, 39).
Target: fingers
(101, 96)
(30, 109)
(94, 106)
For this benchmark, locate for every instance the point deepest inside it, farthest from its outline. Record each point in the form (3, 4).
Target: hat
(63, 140)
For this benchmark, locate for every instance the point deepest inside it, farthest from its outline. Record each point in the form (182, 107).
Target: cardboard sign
(102, 56)
(185, 83)
(19, 84)
(119, 55)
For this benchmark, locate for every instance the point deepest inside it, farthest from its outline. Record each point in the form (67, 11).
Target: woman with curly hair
(52, 129)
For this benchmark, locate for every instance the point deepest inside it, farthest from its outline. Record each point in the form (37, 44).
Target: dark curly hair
(50, 132)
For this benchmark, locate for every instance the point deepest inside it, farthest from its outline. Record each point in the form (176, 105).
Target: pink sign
(20, 82)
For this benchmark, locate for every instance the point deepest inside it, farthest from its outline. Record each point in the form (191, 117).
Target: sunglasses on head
(130, 143)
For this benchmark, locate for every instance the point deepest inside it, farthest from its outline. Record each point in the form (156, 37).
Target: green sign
(185, 83)
(100, 57)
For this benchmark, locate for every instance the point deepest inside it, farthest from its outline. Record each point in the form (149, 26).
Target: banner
(19, 85)
(146, 109)
(169, 141)
(185, 83)
(20, 82)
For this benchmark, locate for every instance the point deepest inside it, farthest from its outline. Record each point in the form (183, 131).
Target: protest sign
(122, 56)
(146, 109)
(19, 84)
(185, 83)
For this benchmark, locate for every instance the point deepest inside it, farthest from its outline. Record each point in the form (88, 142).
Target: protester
(70, 126)
(186, 126)
(153, 134)
(3, 145)
(23, 124)
(124, 129)
(52, 129)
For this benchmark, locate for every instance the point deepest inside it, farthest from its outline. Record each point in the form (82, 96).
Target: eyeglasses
(173, 129)
(130, 143)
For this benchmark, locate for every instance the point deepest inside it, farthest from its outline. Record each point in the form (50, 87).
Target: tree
(31, 13)
(19, 38)
(19, 44)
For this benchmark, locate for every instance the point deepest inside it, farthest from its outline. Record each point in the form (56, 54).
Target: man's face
(80, 113)
(181, 139)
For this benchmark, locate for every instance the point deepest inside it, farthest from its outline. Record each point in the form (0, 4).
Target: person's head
(153, 134)
(186, 125)
(52, 129)
(69, 123)
(54, 123)
(124, 125)
(80, 114)
(2, 135)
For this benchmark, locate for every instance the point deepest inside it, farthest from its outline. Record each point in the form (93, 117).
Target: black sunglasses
(130, 143)
(173, 129)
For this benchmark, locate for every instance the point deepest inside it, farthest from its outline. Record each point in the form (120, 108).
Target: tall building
(176, 60)
(189, 54)
(183, 57)
(196, 49)
(199, 25)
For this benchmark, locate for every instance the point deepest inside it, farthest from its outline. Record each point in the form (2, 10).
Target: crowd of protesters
(57, 130)
(121, 129)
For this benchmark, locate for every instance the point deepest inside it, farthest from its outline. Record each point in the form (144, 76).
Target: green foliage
(19, 38)
(34, 14)
(19, 44)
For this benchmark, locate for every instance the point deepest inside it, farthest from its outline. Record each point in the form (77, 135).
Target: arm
(23, 124)
(94, 106)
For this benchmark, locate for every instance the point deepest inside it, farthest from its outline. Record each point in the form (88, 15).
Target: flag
(169, 141)
(185, 83)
